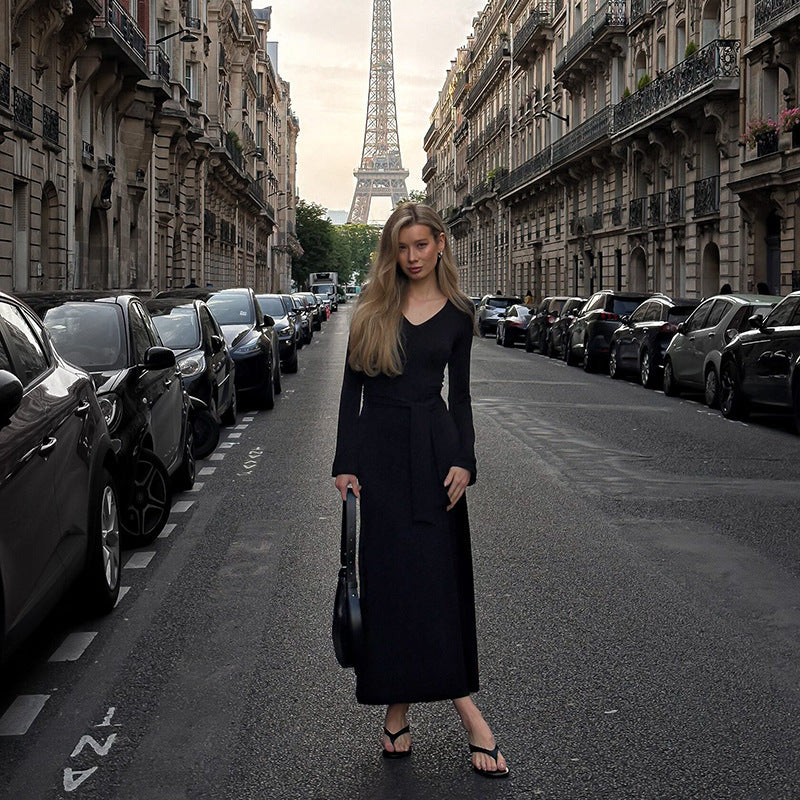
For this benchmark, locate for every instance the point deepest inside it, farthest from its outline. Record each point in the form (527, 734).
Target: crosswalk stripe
(21, 714)
(74, 646)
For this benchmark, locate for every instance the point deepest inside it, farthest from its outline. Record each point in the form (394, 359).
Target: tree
(315, 232)
(415, 196)
(359, 242)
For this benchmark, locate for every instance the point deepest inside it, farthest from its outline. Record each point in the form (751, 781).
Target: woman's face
(418, 249)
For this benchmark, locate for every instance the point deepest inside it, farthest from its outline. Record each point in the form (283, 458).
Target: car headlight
(111, 406)
(191, 365)
(249, 347)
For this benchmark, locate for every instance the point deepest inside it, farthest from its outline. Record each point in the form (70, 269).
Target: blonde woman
(409, 458)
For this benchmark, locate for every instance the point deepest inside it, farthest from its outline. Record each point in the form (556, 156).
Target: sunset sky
(324, 50)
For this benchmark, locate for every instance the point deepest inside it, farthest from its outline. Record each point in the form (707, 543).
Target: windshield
(501, 302)
(323, 288)
(89, 335)
(556, 305)
(679, 313)
(231, 308)
(271, 305)
(623, 305)
(178, 327)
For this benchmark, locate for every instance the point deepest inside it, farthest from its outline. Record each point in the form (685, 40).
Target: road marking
(139, 560)
(21, 714)
(73, 647)
(182, 506)
(228, 445)
(234, 435)
(207, 471)
(73, 778)
(241, 428)
(196, 488)
(168, 528)
(248, 419)
(123, 590)
(216, 457)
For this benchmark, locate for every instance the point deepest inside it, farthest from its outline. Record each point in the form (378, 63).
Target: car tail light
(669, 327)
(516, 324)
(551, 319)
(607, 315)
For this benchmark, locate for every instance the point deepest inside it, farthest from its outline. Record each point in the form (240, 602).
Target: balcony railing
(616, 214)
(636, 210)
(159, 62)
(5, 85)
(706, 196)
(23, 109)
(524, 173)
(676, 204)
(655, 210)
(597, 218)
(588, 132)
(256, 191)
(610, 14)
(540, 17)
(638, 10)
(429, 133)
(429, 169)
(461, 132)
(717, 60)
(50, 125)
(233, 150)
(119, 19)
(262, 104)
(489, 72)
(769, 13)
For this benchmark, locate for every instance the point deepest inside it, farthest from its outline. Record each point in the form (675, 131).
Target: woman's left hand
(455, 483)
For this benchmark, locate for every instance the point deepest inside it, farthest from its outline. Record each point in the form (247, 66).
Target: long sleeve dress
(415, 561)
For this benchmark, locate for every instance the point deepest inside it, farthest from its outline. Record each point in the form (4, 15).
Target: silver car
(691, 362)
(490, 309)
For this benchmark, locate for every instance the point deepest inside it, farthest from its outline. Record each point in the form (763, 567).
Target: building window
(190, 80)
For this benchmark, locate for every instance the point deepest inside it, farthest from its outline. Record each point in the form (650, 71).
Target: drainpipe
(72, 139)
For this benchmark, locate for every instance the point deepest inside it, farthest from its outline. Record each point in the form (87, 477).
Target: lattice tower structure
(381, 173)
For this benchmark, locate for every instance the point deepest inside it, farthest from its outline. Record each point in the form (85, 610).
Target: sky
(324, 51)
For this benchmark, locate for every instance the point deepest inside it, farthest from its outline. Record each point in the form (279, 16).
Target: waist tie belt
(426, 456)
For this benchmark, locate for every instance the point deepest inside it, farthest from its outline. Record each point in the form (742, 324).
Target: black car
(589, 337)
(279, 308)
(302, 319)
(140, 393)
(511, 326)
(761, 367)
(58, 492)
(557, 333)
(249, 335)
(490, 309)
(639, 343)
(542, 317)
(189, 329)
(315, 311)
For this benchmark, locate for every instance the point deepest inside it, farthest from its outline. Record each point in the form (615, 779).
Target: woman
(409, 459)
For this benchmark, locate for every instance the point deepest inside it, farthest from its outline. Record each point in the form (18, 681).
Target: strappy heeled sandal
(488, 773)
(392, 738)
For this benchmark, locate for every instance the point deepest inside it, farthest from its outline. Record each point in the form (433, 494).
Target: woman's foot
(486, 759)
(396, 737)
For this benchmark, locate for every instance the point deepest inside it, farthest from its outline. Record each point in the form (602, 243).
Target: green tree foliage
(315, 232)
(358, 243)
(415, 196)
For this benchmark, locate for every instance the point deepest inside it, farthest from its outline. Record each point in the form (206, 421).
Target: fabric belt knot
(425, 456)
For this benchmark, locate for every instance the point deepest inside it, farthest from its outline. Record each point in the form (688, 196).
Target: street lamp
(258, 152)
(544, 113)
(186, 36)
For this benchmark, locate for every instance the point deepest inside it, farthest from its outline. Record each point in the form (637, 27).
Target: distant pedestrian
(726, 288)
(528, 299)
(192, 284)
(762, 288)
(409, 458)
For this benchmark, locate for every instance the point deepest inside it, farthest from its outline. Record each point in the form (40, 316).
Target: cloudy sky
(324, 48)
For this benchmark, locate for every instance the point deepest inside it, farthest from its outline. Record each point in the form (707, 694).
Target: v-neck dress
(400, 439)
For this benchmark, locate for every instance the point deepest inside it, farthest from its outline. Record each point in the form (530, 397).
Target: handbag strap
(348, 547)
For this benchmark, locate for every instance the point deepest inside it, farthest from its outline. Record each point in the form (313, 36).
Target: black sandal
(488, 773)
(392, 738)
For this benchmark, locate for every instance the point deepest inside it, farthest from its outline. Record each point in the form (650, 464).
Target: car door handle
(82, 410)
(168, 382)
(47, 445)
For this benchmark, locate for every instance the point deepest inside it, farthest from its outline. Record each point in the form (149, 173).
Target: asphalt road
(637, 563)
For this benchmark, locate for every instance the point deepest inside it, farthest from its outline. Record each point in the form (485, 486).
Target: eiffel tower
(381, 173)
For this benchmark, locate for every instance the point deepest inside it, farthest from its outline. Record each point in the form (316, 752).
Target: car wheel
(101, 575)
(528, 343)
(266, 395)
(588, 361)
(712, 388)
(481, 330)
(507, 340)
(148, 508)
(569, 356)
(731, 402)
(546, 346)
(229, 417)
(290, 364)
(185, 474)
(205, 433)
(613, 366)
(646, 371)
(277, 376)
(671, 388)
(497, 339)
(796, 403)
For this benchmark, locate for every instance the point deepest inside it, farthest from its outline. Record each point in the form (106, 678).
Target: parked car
(589, 336)
(511, 326)
(476, 302)
(140, 392)
(279, 308)
(692, 359)
(315, 311)
(249, 334)
(491, 308)
(557, 333)
(639, 343)
(325, 304)
(189, 329)
(58, 492)
(542, 317)
(302, 319)
(761, 367)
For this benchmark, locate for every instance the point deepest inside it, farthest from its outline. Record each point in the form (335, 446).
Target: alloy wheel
(109, 536)
(712, 388)
(148, 509)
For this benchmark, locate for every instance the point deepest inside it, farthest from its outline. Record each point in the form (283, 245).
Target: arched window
(711, 21)
(640, 66)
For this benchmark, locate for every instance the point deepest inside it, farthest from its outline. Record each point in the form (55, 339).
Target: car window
(716, 314)
(231, 308)
(155, 336)
(698, 319)
(208, 325)
(556, 305)
(140, 336)
(5, 359)
(272, 306)
(594, 302)
(178, 328)
(625, 305)
(678, 314)
(28, 349)
(89, 335)
(640, 313)
(782, 313)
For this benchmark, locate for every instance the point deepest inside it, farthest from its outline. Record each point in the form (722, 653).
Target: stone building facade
(127, 152)
(597, 145)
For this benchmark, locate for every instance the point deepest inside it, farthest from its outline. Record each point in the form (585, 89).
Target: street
(637, 565)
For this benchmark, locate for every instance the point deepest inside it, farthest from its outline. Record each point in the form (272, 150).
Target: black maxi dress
(415, 558)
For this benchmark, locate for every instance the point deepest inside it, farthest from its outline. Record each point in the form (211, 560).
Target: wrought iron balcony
(50, 125)
(461, 132)
(159, 62)
(461, 87)
(587, 133)
(611, 14)
(233, 150)
(117, 18)
(540, 20)
(655, 210)
(706, 196)
(676, 204)
(717, 61)
(428, 135)
(771, 13)
(525, 173)
(616, 214)
(23, 109)
(636, 211)
(488, 75)
(5, 85)
(597, 218)
(638, 10)
(429, 170)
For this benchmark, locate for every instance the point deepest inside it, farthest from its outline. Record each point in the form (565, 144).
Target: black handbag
(346, 630)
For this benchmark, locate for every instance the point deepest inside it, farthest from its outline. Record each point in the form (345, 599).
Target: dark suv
(57, 481)
(589, 337)
(140, 392)
(542, 317)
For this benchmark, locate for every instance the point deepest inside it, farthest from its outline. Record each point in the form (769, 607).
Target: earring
(439, 258)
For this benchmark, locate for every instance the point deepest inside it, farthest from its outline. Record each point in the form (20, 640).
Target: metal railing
(50, 125)
(768, 13)
(655, 209)
(119, 19)
(706, 196)
(676, 204)
(636, 212)
(540, 17)
(488, 74)
(610, 15)
(233, 150)
(429, 133)
(533, 167)
(23, 109)
(638, 10)
(5, 85)
(715, 61)
(159, 62)
(616, 214)
(429, 168)
(588, 132)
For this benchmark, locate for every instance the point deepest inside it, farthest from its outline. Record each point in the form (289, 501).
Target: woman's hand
(455, 483)
(343, 481)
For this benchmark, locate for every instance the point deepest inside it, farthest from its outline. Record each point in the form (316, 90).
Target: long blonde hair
(375, 345)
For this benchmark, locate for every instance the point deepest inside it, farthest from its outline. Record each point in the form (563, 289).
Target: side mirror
(625, 319)
(682, 328)
(217, 343)
(756, 321)
(730, 334)
(159, 358)
(268, 321)
(10, 395)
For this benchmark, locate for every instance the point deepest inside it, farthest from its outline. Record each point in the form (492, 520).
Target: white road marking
(247, 419)
(240, 428)
(197, 487)
(73, 778)
(182, 506)
(74, 646)
(99, 749)
(139, 560)
(123, 590)
(207, 471)
(168, 528)
(21, 714)
(216, 457)
(228, 445)
(234, 435)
